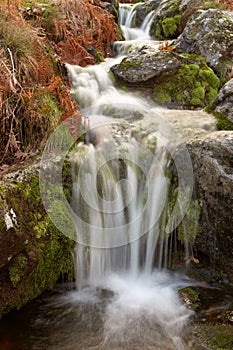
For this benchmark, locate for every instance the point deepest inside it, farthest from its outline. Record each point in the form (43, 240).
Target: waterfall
(118, 202)
(127, 13)
(121, 198)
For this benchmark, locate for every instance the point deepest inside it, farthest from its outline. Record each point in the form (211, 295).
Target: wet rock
(224, 101)
(212, 157)
(209, 33)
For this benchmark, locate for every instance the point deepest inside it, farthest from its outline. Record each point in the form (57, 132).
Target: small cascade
(121, 200)
(127, 13)
(118, 200)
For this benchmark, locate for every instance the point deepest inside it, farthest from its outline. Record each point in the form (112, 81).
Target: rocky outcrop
(224, 102)
(33, 253)
(209, 33)
(177, 81)
(212, 157)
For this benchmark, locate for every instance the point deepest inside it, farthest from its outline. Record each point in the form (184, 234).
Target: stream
(124, 297)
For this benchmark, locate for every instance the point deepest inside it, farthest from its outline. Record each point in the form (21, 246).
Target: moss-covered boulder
(173, 80)
(209, 33)
(33, 253)
(193, 86)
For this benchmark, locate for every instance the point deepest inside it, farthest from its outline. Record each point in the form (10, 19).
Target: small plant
(165, 46)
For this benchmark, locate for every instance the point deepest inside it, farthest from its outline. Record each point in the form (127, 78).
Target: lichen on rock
(209, 33)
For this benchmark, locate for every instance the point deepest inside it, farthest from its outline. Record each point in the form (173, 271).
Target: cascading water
(127, 13)
(118, 202)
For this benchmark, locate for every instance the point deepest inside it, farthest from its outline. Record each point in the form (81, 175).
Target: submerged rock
(224, 101)
(209, 33)
(212, 157)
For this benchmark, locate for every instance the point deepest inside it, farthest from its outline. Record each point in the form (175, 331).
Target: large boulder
(224, 101)
(173, 80)
(212, 157)
(33, 253)
(209, 33)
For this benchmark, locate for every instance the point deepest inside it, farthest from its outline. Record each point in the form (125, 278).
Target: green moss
(17, 269)
(189, 229)
(190, 296)
(120, 35)
(43, 252)
(198, 95)
(49, 106)
(216, 337)
(170, 25)
(194, 85)
(125, 64)
(174, 5)
(149, 8)
(167, 28)
(54, 258)
(41, 225)
(50, 17)
(158, 31)
(163, 96)
(99, 56)
(61, 215)
(223, 123)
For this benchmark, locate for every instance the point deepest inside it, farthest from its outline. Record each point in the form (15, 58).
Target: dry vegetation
(35, 41)
(228, 3)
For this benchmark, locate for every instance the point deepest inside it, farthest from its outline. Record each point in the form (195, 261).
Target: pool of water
(62, 320)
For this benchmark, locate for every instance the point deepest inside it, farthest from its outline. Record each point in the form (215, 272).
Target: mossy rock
(34, 254)
(190, 296)
(223, 123)
(167, 20)
(167, 28)
(195, 85)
